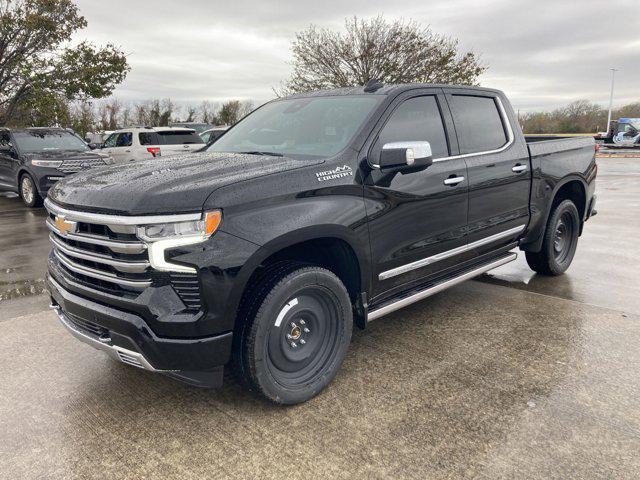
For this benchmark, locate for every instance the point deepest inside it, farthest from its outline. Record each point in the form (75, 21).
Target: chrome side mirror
(405, 155)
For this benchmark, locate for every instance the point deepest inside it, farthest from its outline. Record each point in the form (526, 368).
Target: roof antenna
(373, 85)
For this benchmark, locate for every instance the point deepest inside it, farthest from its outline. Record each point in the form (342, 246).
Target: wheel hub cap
(27, 190)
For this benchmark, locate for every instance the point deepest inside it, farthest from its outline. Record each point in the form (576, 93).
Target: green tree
(37, 63)
(392, 52)
(232, 111)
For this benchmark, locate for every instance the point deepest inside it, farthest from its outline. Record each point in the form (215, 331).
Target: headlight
(164, 236)
(202, 228)
(46, 163)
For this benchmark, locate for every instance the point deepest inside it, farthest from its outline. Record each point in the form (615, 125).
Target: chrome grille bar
(98, 274)
(120, 265)
(113, 245)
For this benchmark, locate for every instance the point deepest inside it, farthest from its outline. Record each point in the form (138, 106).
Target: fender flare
(289, 239)
(536, 245)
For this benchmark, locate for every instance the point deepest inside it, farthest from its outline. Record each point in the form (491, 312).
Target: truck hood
(165, 185)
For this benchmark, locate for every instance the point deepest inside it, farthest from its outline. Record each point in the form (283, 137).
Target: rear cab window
(479, 123)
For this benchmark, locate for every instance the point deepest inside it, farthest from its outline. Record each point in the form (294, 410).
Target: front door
(417, 219)
(118, 146)
(498, 168)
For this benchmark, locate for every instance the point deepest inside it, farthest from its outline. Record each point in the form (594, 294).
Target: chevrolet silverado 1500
(314, 213)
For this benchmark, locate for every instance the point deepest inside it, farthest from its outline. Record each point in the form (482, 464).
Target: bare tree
(191, 114)
(207, 112)
(392, 52)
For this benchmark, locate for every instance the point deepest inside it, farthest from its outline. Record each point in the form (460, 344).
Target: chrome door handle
(453, 180)
(519, 168)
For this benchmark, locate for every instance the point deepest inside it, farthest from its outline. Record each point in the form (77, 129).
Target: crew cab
(33, 159)
(314, 213)
(140, 143)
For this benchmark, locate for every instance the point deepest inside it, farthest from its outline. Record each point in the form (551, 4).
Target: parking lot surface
(512, 375)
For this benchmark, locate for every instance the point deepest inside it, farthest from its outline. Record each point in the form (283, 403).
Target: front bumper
(126, 337)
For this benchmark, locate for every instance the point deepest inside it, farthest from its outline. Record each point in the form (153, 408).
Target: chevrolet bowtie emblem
(65, 226)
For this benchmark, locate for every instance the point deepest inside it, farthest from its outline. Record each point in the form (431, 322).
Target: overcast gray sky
(542, 53)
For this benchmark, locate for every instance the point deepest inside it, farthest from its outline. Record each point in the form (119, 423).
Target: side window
(124, 139)
(416, 119)
(5, 139)
(148, 138)
(478, 123)
(111, 140)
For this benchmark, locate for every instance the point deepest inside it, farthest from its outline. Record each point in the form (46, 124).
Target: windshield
(32, 141)
(317, 126)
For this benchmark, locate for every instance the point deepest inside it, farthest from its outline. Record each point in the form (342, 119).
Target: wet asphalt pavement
(510, 376)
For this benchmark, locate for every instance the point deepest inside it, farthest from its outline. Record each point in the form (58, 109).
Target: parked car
(140, 143)
(211, 135)
(624, 132)
(311, 214)
(33, 159)
(198, 127)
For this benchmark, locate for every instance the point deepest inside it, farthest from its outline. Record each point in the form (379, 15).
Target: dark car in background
(32, 160)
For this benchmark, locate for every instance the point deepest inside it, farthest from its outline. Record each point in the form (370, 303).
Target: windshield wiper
(257, 152)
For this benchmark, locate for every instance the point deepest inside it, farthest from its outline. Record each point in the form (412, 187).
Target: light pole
(613, 77)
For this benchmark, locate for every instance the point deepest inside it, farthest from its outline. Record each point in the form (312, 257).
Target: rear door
(497, 166)
(417, 220)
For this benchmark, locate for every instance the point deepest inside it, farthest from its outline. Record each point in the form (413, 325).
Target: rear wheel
(295, 333)
(560, 241)
(29, 192)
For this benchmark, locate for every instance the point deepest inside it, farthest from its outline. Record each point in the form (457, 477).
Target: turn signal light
(212, 221)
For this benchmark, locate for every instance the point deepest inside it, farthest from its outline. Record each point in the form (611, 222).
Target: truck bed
(542, 145)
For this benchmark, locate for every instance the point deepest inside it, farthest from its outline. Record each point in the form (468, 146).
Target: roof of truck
(386, 90)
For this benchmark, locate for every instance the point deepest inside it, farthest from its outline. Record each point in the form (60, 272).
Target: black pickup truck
(314, 213)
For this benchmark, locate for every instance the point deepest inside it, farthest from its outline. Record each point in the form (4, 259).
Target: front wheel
(560, 241)
(29, 192)
(295, 333)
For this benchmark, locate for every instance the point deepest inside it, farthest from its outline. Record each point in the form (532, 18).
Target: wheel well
(334, 254)
(574, 191)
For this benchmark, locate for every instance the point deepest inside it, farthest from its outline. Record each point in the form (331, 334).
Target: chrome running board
(403, 302)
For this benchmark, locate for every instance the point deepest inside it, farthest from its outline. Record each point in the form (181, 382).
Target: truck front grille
(103, 252)
(77, 164)
(112, 257)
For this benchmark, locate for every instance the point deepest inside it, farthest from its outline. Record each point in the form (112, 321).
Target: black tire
(294, 331)
(29, 192)
(560, 241)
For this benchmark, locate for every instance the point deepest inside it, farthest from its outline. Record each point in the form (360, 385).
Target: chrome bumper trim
(121, 354)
